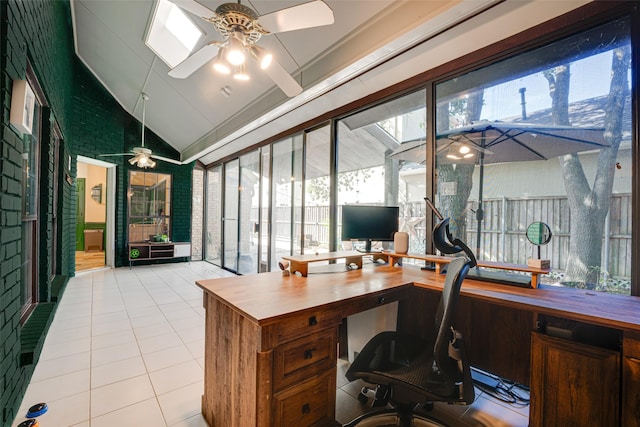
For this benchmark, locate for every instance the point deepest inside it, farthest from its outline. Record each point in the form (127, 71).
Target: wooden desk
(270, 350)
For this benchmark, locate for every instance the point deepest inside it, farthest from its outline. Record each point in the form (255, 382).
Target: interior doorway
(95, 213)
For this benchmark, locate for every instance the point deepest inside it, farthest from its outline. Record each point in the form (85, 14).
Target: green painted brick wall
(91, 122)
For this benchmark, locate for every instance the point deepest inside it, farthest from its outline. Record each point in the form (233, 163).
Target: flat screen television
(369, 223)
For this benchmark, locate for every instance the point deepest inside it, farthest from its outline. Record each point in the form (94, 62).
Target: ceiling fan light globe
(235, 51)
(240, 73)
(220, 63)
(235, 57)
(261, 56)
(265, 61)
(242, 76)
(221, 67)
(133, 160)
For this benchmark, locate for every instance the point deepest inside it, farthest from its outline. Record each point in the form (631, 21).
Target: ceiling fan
(241, 27)
(142, 156)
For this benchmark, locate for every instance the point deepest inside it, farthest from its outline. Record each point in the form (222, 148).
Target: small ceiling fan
(142, 156)
(241, 27)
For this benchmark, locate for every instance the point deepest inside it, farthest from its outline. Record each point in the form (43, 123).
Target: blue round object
(37, 410)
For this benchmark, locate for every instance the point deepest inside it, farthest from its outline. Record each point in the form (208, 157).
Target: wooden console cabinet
(146, 251)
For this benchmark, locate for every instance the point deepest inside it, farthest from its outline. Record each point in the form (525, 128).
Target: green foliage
(319, 188)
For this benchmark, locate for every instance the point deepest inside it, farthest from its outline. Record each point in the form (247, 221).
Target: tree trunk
(589, 205)
(459, 176)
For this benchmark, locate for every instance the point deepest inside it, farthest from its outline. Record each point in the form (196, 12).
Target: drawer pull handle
(308, 354)
(306, 409)
(313, 321)
(381, 300)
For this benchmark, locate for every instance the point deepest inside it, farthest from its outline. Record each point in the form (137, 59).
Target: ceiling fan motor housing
(231, 17)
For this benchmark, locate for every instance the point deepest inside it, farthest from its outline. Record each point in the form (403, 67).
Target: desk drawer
(301, 359)
(309, 404)
(305, 324)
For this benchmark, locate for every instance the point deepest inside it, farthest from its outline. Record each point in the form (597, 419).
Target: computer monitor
(369, 223)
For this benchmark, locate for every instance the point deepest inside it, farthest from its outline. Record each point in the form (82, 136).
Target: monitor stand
(367, 247)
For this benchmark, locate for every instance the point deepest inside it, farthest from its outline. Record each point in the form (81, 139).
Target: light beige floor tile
(114, 353)
(167, 357)
(53, 351)
(182, 404)
(191, 334)
(195, 421)
(117, 371)
(66, 411)
(121, 394)
(145, 413)
(152, 330)
(110, 327)
(55, 388)
(111, 339)
(177, 376)
(159, 342)
(196, 347)
(61, 366)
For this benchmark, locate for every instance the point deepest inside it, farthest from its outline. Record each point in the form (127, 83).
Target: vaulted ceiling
(200, 122)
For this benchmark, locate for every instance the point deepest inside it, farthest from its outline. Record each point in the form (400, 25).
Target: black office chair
(411, 373)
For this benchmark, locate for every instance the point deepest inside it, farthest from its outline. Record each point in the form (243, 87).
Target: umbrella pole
(479, 211)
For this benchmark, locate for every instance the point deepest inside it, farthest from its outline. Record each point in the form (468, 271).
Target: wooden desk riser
(253, 322)
(300, 263)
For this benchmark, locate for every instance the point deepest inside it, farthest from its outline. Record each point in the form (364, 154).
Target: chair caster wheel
(362, 397)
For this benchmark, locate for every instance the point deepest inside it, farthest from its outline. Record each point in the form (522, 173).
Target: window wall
(541, 135)
(213, 216)
(381, 161)
(317, 190)
(249, 196)
(231, 217)
(286, 198)
(544, 136)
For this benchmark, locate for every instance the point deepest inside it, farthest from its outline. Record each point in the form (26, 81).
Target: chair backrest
(456, 272)
(449, 245)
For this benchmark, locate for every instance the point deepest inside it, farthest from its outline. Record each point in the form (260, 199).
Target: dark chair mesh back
(456, 272)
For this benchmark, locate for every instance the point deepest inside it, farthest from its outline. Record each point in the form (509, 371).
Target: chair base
(392, 417)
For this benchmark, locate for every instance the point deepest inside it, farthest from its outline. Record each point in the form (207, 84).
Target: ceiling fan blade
(166, 159)
(283, 79)
(195, 8)
(194, 62)
(116, 154)
(307, 15)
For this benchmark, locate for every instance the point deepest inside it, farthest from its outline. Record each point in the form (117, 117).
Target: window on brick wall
(31, 145)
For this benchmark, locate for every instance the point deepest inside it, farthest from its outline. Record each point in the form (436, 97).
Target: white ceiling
(197, 120)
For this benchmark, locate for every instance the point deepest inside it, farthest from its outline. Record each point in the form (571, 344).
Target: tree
(589, 204)
(461, 175)
(318, 188)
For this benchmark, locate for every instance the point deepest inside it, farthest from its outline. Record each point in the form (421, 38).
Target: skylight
(172, 35)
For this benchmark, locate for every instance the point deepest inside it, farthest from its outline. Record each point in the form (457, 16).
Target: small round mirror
(538, 233)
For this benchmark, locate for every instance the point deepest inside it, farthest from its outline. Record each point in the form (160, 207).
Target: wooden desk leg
(534, 280)
(438, 268)
(302, 267)
(357, 260)
(395, 259)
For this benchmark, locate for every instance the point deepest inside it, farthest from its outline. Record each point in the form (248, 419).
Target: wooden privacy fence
(503, 234)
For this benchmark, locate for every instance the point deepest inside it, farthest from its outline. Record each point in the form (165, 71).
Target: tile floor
(126, 348)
